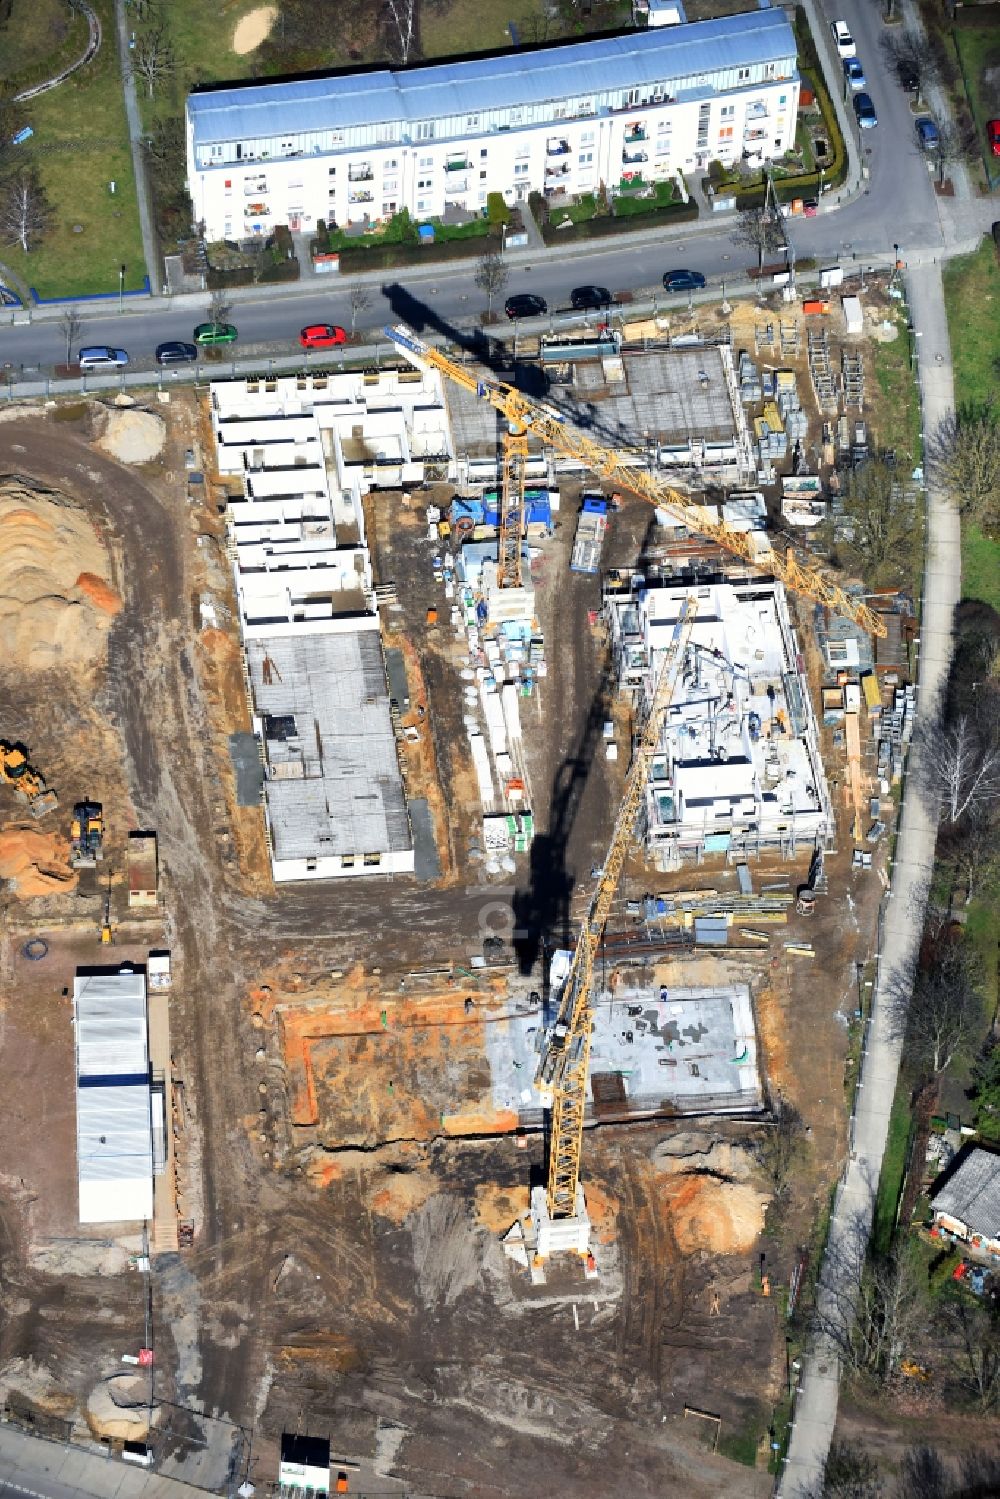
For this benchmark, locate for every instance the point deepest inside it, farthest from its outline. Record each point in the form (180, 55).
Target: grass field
(80, 145)
(895, 410)
(890, 1182)
(972, 299)
(451, 27)
(979, 56)
(41, 37)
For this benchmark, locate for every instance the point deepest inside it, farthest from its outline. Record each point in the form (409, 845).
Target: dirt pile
(711, 1203)
(55, 603)
(35, 862)
(253, 28)
(133, 436)
(118, 1409)
(395, 1180)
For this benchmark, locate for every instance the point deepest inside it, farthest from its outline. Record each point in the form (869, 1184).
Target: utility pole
(121, 287)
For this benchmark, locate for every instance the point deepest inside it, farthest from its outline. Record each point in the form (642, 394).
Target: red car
(993, 135)
(322, 336)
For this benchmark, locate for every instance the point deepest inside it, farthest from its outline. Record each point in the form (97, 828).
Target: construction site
(462, 1167)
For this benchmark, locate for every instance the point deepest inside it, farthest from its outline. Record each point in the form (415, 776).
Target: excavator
(557, 1221)
(16, 771)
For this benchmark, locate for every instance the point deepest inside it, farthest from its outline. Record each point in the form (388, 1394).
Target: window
(522, 153)
(742, 75)
(332, 172)
(727, 112)
(424, 183)
(472, 123)
(425, 162)
(388, 209)
(425, 130)
(482, 197)
(769, 69)
(587, 138)
(521, 169)
(390, 166)
(229, 185)
(390, 185)
(782, 98)
(347, 861)
(482, 176)
(372, 861)
(216, 152)
(632, 97)
(482, 154)
(585, 158)
(726, 133)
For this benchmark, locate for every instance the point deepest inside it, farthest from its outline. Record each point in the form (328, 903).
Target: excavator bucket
(45, 801)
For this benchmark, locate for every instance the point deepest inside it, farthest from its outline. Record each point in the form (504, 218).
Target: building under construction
(739, 770)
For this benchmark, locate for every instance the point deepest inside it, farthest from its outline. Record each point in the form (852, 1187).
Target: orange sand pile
(716, 1216)
(498, 1207)
(55, 608)
(36, 862)
(394, 1181)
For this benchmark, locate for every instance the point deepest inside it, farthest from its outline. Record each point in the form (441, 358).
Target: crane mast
(562, 1069)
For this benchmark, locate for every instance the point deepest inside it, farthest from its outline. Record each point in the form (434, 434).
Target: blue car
(683, 281)
(928, 134)
(865, 111)
(854, 73)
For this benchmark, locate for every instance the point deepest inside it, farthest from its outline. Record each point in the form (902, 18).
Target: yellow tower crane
(558, 1218)
(527, 417)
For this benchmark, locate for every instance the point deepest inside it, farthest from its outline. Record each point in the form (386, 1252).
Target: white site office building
(739, 768)
(622, 111)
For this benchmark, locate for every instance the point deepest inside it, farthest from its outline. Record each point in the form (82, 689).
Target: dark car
(584, 297)
(683, 281)
(865, 111)
(176, 353)
(525, 304)
(928, 134)
(909, 78)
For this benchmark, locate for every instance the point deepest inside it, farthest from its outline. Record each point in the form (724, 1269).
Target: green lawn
(666, 192)
(890, 1182)
(972, 300)
(41, 37)
(979, 56)
(896, 415)
(79, 147)
(478, 25)
(982, 929)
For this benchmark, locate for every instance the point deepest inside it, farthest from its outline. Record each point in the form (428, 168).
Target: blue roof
(497, 82)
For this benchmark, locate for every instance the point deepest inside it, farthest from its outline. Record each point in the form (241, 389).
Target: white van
(101, 357)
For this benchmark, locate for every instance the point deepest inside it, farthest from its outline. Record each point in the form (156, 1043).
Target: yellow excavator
(29, 786)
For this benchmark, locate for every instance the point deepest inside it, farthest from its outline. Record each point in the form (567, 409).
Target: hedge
(678, 213)
(357, 258)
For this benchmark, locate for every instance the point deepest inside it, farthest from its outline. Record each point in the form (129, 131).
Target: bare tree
(756, 229)
(70, 326)
(944, 1010)
(977, 858)
(25, 214)
(777, 1148)
(910, 60)
(491, 277)
(404, 16)
(882, 520)
(868, 1304)
(957, 146)
(971, 1339)
(961, 767)
(850, 1473)
(965, 456)
(360, 299)
(219, 307)
(153, 58)
(923, 1474)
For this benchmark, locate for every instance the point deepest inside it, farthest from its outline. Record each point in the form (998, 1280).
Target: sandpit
(133, 436)
(36, 863)
(56, 605)
(253, 29)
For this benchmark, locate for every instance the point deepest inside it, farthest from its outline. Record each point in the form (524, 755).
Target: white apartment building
(621, 111)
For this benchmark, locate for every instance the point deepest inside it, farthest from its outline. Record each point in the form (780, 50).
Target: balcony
(361, 196)
(755, 134)
(360, 174)
(757, 111)
(461, 165)
(635, 133)
(557, 147)
(633, 158)
(255, 188)
(553, 175)
(256, 211)
(456, 184)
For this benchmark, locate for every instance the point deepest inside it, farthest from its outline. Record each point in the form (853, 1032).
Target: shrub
(284, 247)
(539, 205)
(600, 228)
(496, 209)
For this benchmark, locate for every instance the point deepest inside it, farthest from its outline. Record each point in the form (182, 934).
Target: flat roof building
(626, 111)
(739, 767)
(114, 1114)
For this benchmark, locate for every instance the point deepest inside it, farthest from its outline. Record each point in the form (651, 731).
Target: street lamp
(121, 287)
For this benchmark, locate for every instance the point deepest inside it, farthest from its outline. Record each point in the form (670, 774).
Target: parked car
(854, 73)
(322, 336)
(214, 333)
(683, 281)
(176, 353)
(842, 39)
(525, 304)
(909, 78)
(584, 297)
(928, 134)
(101, 357)
(993, 136)
(865, 111)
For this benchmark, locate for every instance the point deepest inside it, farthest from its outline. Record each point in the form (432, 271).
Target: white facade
(739, 768)
(114, 1113)
(616, 111)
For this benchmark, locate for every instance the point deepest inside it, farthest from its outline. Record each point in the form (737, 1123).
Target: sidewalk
(51, 1470)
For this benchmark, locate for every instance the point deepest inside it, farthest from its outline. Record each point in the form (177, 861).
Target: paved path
(816, 1408)
(91, 50)
(150, 250)
(32, 1468)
